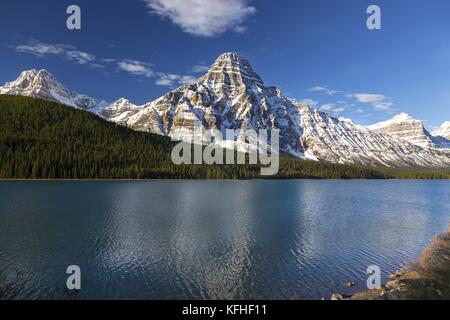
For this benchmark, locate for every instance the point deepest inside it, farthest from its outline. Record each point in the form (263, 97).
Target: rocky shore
(426, 279)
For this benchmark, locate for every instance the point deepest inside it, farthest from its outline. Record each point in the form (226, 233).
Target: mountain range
(231, 95)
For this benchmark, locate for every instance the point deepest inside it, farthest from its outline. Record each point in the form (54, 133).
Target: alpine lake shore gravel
(427, 278)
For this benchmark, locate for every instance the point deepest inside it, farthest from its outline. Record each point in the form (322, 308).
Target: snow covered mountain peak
(233, 70)
(119, 110)
(35, 75)
(398, 119)
(443, 131)
(406, 128)
(42, 84)
(233, 96)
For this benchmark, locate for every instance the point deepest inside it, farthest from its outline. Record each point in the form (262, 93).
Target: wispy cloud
(171, 80)
(378, 101)
(331, 107)
(327, 107)
(167, 80)
(186, 79)
(206, 18)
(200, 68)
(367, 97)
(109, 60)
(80, 56)
(42, 49)
(339, 110)
(136, 67)
(325, 90)
(309, 102)
(240, 29)
(130, 66)
(349, 100)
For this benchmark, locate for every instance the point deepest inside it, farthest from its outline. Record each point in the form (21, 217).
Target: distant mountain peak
(397, 119)
(443, 131)
(406, 128)
(119, 109)
(403, 116)
(42, 84)
(35, 74)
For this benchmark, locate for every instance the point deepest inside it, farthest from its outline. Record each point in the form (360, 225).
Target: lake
(211, 239)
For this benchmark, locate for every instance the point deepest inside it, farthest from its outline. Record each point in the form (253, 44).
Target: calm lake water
(211, 240)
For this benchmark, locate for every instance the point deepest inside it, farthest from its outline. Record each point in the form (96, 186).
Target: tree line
(45, 140)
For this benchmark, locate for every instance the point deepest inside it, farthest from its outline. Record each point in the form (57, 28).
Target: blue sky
(315, 50)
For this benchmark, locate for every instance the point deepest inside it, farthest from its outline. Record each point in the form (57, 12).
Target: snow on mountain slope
(41, 84)
(119, 110)
(233, 96)
(443, 131)
(406, 128)
(442, 135)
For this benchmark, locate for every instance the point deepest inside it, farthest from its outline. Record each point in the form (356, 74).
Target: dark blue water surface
(211, 240)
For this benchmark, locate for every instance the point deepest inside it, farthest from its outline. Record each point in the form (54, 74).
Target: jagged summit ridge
(231, 68)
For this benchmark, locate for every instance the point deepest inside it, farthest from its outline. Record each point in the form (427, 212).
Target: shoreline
(427, 278)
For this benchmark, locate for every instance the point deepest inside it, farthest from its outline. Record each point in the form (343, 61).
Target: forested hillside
(46, 140)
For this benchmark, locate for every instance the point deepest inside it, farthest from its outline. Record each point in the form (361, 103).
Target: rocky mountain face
(42, 85)
(405, 128)
(121, 109)
(230, 96)
(233, 96)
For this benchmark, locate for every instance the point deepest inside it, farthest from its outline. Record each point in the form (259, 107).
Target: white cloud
(324, 89)
(240, 29)
(206, 18)
(170, 80)
(136, 67)
(368, 97)
(379, 101)
(317, 89)
(386, 105)
(309, 102)
(328, 107)
(186, 79)
(109, 60)
(167, 79)
(199, 68)
(80, 56)
(331, 107)
(42, 49)
(338, 110)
